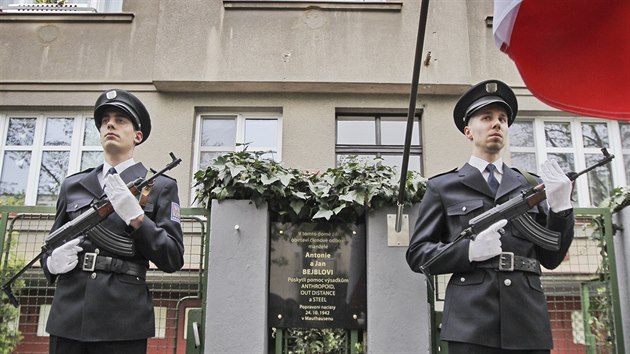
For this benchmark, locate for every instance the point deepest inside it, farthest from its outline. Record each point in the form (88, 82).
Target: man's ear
(138, 138)
(468, 133)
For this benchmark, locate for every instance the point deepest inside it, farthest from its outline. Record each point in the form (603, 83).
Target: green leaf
(323, 214)
(285, 178)
(268, 180)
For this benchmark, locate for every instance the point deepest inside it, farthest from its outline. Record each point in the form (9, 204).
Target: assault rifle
(515, 210)
(88, 224)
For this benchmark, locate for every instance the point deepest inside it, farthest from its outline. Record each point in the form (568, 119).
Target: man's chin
(495, 147)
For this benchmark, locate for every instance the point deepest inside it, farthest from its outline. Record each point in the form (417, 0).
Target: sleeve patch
(176, 214)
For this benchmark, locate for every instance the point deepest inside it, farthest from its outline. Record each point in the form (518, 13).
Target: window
(38, 151)
(378, 135)
(624, 130)
(69, 6)
(44, 313)
(160, 321)
(218, 134)
(576, 144)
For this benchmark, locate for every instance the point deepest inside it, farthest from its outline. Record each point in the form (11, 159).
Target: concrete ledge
(314, 4)
(65, 17)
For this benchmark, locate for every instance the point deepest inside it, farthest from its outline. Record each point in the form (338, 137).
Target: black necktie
(111, 171)
(492, 181)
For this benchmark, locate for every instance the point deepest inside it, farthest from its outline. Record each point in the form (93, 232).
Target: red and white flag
(573, 55)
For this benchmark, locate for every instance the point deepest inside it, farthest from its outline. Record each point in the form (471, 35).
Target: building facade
(309, 82)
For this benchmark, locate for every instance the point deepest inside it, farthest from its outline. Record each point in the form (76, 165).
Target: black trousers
(468, 348)
(60, 345)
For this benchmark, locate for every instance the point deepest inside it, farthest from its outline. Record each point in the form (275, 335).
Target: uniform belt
(92, 261)
(508, 262)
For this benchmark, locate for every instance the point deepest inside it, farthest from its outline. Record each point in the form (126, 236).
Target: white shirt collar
(119, 168)
(481, 164)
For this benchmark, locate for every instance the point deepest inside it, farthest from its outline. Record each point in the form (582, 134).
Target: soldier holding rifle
(102, 303)
(494, 300)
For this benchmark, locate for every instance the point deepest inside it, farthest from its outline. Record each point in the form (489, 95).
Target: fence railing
(582, 293)
(22, 233)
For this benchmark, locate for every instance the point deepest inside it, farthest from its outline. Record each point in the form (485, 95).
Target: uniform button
(507, 282)
(463, 208)
(93, 275)
(97, 251)
(462, 279)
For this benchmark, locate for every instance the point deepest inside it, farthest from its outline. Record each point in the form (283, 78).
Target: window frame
(578, 149)
(37, 149)
(241, 116)
(378, 149)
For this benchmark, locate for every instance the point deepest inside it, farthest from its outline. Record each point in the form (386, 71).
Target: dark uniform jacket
(485, 306)
(105, 306)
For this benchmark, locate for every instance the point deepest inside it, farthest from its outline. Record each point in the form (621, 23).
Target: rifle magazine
(534, 232)
(117, 244)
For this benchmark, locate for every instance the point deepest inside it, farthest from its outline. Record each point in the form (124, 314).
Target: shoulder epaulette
(444, 173)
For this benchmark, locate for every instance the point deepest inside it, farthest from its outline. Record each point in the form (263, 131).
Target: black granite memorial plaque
(317, 276)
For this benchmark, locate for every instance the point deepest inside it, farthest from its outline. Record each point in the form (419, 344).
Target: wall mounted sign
(317, 276)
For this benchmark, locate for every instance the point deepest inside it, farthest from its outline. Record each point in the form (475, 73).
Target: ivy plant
(619, 199)
(343, 193)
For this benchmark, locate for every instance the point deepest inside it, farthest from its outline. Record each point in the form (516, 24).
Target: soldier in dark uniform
(490, 309)
(102, 303)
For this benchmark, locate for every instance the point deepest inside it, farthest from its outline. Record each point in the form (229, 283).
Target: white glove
(487, 244)
(64, 258)
(124, 203)
(557, 186)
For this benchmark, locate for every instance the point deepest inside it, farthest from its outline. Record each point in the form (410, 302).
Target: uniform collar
(120, 167)
(481, 164)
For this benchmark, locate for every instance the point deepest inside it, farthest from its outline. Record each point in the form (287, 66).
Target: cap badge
(111, 95)
(491, 87)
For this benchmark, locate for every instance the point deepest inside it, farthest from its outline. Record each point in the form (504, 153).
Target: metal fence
(582, 293)
(22, 232)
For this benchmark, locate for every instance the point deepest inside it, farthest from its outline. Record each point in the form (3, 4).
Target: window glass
(624, 129)
(396, 162)
(91, 159)
(44, 313)
(524, 160)
(218, 132)
(521, 134)
(58, 131)
(207, 157)
(53, 170)
(375, 135)
(393, 132)
(558, 134)
(91, 135)
(15, 170)
(599, 180)
(359, 132)
(595, 135)
(625, 135)
(21, 131)
(565, 161)
(261, 132)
